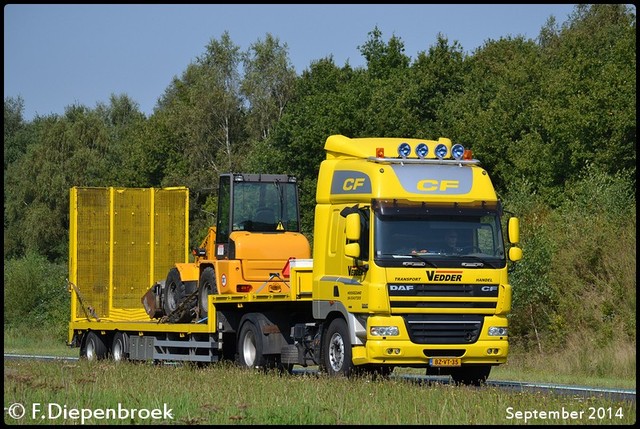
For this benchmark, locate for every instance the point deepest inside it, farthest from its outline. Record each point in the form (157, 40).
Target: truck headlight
(384, 331)
(498, 331)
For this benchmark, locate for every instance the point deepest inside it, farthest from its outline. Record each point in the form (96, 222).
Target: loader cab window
(224, 210)
(264, 206)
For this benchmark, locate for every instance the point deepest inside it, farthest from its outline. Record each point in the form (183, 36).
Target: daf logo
(489, 288)
(400, 287)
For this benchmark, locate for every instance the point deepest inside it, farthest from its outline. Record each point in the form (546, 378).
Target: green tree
(14, 125)
(438, 75)
(383, 58)
(123, 120)
(587, 103)
(268, 85)
(66, 151)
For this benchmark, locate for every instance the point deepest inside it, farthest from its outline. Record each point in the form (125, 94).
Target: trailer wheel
(94, 347)
(120, 347)
(471, 375)
(207, 287)
(250, 347)
(336, 350)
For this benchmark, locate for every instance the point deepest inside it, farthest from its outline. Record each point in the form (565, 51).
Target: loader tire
(206, 287)
(174, 295)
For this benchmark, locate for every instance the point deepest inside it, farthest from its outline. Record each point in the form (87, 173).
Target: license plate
(445, 362)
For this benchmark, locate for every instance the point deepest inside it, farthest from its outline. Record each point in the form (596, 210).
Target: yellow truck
(408, 268)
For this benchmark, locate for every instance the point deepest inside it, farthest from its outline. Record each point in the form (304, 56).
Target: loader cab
(255, 203)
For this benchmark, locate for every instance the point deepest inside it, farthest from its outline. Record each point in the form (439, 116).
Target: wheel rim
(171, 297)
(205, 292)
(90, 351)
(249, 348)
(336, 352)
(118, 352)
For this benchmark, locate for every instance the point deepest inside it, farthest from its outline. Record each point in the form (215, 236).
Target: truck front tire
(336, 350)
(473, 375)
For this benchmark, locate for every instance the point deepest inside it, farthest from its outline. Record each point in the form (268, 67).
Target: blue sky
(59, 55)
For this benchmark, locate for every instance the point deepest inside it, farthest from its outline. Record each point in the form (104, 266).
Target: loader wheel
(336, 350)
(94, 347)
(174, 292)
(120, 347)
(207, 287)
(250, 347)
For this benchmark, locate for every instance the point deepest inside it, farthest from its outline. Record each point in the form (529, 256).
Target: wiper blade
(421, 261)
(480, 264)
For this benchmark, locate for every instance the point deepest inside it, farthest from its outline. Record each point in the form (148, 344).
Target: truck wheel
(336, 350)
(250, 347)
(207, 287)
(120, 347)
(471, 375)
(94, 347)
(376, 372)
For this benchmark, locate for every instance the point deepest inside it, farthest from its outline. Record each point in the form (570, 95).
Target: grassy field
(614, 367)
(107, 392)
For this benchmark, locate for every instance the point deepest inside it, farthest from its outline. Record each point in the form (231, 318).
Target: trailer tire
(250, 348)
(120, 347)
(336, 350)
(94, 347)
(206, 287)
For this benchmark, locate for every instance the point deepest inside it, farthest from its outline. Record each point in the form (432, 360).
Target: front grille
(443, 328)
(442, 295)
(452, 290)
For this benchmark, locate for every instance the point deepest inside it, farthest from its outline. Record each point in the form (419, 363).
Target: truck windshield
(446, 234)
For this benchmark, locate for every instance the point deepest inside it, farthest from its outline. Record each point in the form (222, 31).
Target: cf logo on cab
(435, 185)
(352, 184)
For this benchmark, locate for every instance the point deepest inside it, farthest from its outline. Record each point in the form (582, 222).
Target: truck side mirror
(352, 250)
(514, 230)
(515, 254)
(353, 227)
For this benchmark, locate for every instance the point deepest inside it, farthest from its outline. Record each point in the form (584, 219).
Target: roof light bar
(404, 150)
(422, 150)
(441, 151)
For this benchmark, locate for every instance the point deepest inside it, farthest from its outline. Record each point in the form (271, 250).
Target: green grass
(611, 367)
(34, 341)
(226, 394)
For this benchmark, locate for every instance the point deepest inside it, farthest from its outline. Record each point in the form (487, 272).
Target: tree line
(552, 119)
